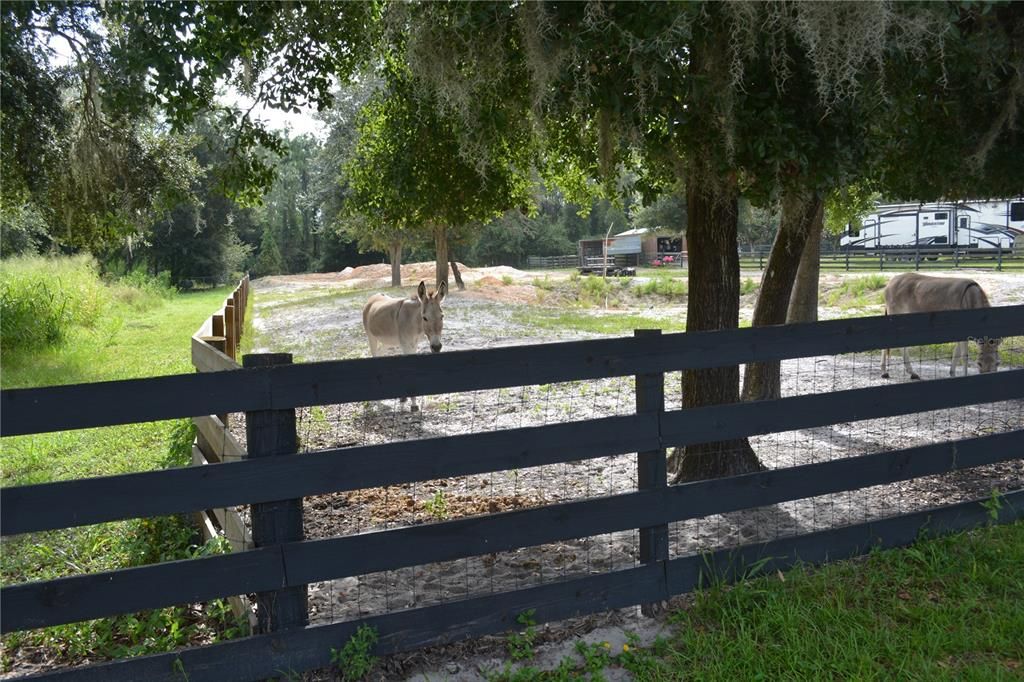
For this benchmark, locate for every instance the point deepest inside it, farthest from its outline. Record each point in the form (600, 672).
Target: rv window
(852, 231)
(941, 216)
(963, 223)
(1017, 210)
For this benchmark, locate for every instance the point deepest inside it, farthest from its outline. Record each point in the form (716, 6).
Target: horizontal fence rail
(59, 408)
(569, 261)
(65, 600)
(44, 506)
(878, 259)
(266, 656)
(289, 563)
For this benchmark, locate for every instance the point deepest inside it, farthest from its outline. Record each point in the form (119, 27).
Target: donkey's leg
(957, 350)
(906, 364)
(374, 350)
(885, 363)
(409, 348)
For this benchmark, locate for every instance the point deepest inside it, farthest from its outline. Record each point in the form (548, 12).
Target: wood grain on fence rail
(267, 656)
(59, 408)
(96, 595)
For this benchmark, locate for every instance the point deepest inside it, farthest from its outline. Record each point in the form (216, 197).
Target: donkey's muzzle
(435, 349)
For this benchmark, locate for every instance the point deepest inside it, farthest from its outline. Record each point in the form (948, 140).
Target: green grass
(858, 292)
(942, 609)
(608, 323)
(662, 285)
(314, 297)
(137, 333)
(124, 343)
(42, 300)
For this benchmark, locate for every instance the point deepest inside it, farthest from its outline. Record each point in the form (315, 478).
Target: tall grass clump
(41, 299)
(138, 288)
(859, 292)
(593, 290)
(662, 286)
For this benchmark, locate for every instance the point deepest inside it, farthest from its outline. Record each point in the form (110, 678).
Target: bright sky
(299, 124)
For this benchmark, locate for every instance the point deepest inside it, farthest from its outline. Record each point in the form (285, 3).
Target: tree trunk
(763, 380)
(803, 303)
(396, 263)
(441, 254)
(713, 303)
(455, 271)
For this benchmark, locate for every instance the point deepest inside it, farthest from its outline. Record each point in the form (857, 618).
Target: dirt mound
(497, 283)
(488, 281)
(375, 271)
(412, 273)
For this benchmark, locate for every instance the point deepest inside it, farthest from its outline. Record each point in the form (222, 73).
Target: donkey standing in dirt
(914, 293)
(402, 321)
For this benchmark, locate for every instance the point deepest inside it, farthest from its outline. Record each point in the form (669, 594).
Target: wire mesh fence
(393, 507)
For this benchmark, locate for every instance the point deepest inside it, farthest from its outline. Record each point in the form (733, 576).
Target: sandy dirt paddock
(317, 317)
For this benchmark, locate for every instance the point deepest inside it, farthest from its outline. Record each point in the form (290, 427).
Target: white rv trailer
(989, 224)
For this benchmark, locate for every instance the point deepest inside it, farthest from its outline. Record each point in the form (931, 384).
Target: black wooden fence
(902, 258)
(283, 567)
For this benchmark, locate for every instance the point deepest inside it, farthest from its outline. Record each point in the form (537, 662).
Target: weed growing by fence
(353, 660)
(520, 644)
(437, 506)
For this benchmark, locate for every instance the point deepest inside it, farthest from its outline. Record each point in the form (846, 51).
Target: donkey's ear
(442, 291)
(421, 291)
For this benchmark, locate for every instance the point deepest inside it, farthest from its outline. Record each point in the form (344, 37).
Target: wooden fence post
(229, 329)
(271, 433)
(236, 297)
(651, 467)
(220, 343)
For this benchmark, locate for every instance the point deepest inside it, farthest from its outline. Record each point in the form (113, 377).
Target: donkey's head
(988, 354)
(433, 316)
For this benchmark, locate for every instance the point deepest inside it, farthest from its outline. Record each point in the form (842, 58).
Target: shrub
(662, 286)
(138, 288)
(594, 287)
(42, 298)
